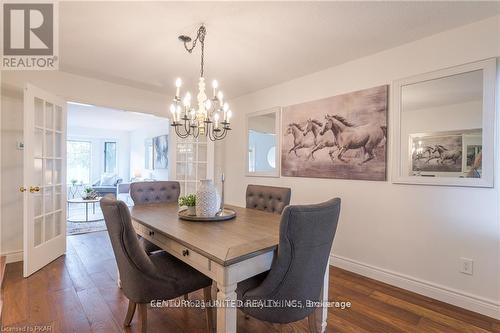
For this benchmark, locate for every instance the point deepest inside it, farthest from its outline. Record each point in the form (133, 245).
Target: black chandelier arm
(179, 134)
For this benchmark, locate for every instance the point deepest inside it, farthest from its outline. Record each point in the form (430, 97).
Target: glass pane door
(44, 178)
(192, 162)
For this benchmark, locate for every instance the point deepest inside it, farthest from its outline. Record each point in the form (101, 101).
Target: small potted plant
(89, 194)
(189, 201)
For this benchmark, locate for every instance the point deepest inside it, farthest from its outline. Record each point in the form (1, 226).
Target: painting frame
(364, 112)
(464, 134)
(430, 139)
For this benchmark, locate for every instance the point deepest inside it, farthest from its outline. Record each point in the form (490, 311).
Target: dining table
(228, 251)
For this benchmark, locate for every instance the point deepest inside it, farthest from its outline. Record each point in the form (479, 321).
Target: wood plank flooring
(78, 293)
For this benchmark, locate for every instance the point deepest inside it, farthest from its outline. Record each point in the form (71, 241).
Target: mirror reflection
(262, 143)
(441, 126)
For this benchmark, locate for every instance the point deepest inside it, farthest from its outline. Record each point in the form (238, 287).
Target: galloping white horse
(299, 140)
(349, 136)
(320, 140)
(447, 155)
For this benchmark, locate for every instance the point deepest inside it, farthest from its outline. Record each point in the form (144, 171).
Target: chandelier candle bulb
(208, 104)
(215, 85)
(216, 118)
(178, 84)
(220, 97)
(172, 111)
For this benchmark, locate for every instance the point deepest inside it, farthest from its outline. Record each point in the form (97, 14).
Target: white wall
(137, 149)
(97, 137)
(408, 235)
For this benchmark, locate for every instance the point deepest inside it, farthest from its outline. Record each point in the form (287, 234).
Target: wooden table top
(251, 233)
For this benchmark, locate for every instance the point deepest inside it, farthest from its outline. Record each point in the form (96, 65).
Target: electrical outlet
(466, 266)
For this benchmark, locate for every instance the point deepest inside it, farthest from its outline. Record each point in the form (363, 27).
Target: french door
(193, 161)
(44, 178)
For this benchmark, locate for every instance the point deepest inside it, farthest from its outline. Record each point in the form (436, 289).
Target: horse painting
(341, 137)
(437, 152)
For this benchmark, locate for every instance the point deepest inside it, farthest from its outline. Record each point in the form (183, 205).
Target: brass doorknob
(34, 189)
(22, 189)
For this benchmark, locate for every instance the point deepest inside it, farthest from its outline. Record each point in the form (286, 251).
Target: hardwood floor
(78, 293)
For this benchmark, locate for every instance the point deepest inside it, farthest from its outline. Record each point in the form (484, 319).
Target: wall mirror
(444, 126)
(262, 134)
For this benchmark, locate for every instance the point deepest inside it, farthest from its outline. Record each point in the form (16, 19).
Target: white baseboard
(13, 256)
(470, 302)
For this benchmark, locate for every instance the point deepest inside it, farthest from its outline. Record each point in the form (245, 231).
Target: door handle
(22, 189)
(34, 189)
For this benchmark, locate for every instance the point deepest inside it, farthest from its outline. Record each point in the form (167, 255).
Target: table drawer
(192, 256)
(184, 253)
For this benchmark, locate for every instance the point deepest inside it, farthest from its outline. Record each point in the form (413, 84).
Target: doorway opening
(106, 150)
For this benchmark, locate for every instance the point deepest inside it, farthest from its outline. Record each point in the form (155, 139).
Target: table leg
(324, 298)
(93, 208)
(226, 315)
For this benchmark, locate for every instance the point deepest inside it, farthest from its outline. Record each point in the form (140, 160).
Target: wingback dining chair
(297, 272)
(144, 278)
(143, 193)
(268, 198)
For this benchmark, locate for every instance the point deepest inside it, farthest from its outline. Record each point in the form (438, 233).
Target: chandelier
(209, 116)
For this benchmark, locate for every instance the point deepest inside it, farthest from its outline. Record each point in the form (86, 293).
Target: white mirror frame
(276, 172)
(488, 122)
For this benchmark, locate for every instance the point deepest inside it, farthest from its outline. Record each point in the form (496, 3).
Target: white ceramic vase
(207, 199)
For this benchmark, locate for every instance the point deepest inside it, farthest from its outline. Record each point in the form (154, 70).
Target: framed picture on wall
(160, 152)
(343, 136)
(148, 154)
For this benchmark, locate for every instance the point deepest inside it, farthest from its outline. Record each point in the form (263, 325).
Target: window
(79, 154)
(110, 157)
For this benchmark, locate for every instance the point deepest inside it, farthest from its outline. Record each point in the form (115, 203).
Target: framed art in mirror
(444, 124)
(262, 142)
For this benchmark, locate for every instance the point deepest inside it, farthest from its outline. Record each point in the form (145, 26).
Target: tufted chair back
(298, 269)
(155, 192)
(268, 198)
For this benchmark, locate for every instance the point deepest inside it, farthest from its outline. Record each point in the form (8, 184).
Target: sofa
(107, 184)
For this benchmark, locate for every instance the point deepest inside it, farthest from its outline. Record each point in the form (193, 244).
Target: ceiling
(104, 118)
(249, 45)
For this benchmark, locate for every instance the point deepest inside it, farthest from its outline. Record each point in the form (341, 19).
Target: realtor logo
(29, 36)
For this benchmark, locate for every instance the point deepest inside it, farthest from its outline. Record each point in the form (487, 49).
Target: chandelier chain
(200, 36)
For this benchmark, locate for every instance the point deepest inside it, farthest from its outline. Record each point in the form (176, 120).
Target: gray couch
(103, 190)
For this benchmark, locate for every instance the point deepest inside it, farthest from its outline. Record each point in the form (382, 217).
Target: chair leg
(143, 313)
(312, 320)
(207, 295)
(130, 313)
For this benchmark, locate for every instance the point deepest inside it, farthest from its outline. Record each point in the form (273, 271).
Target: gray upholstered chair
(297, 272)
(268, 198)
(143, 193)
(144, 278)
